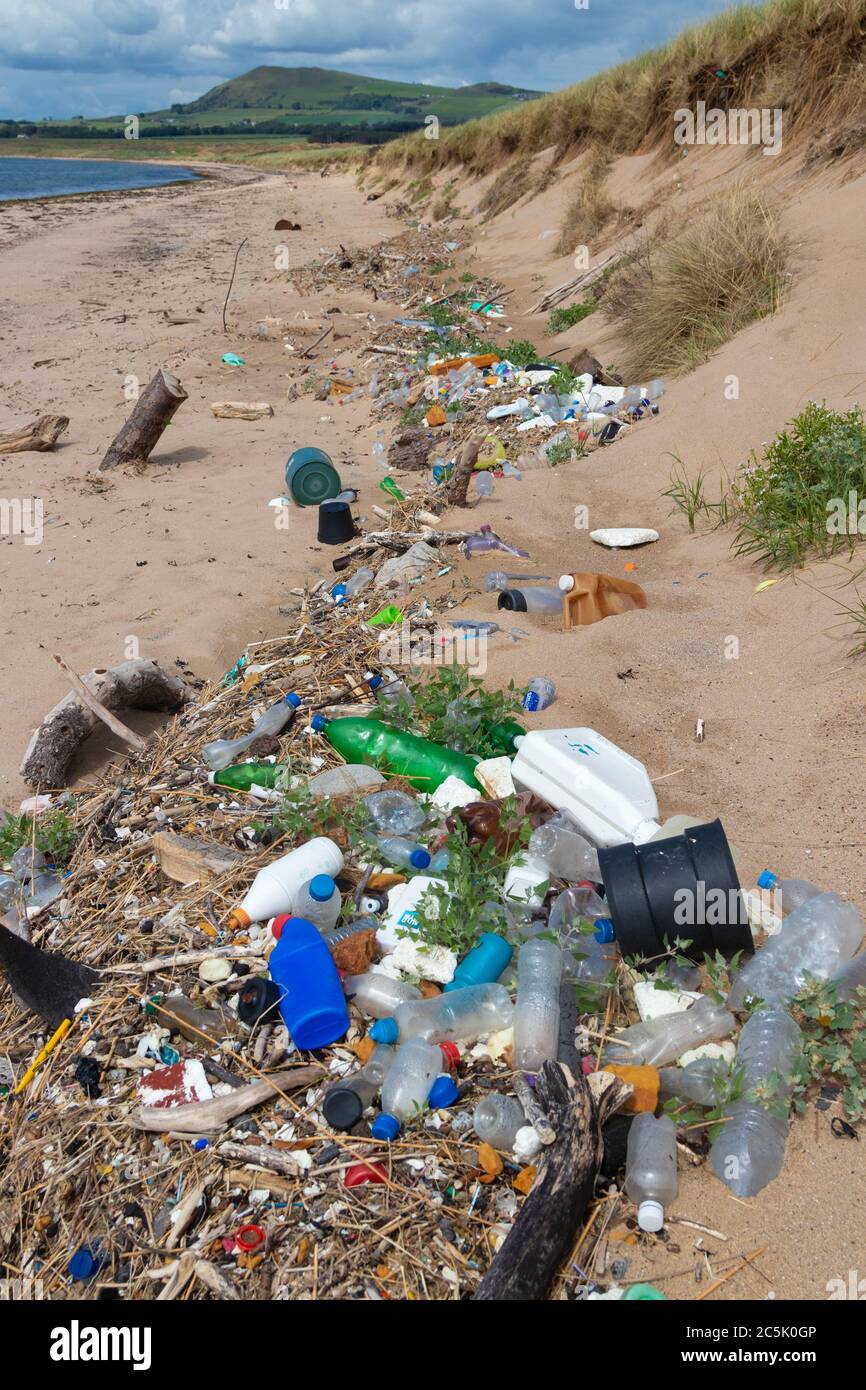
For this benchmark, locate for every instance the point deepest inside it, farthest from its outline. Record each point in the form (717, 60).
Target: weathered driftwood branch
(205, 1116)
(545, 1228)
(156, 405)
(586, 277)
(41, 435)
(115, 725)
(241, 410)
(131, 685)
(459, 487)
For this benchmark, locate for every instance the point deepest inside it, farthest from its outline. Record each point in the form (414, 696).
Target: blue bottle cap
(767, 879)
(84, 1263)
(317, 723)
(443, 1093)
(322, 888)
(373, 681)
(293, 699)
(419, 859)
(200, 1145)
(384, 1030)
(604, 931)
(385, 1127)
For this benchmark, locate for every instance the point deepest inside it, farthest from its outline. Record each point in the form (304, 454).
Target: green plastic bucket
(311, 477)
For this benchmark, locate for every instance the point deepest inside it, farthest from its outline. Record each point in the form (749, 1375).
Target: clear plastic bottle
(573, 906)
(817, 939)
(407, 1085)
(536, 1015)
(389, 692)
(395, 812)
(359, 581)
(662, 1040)
(497, 1119)
(794, 891)
(540, 599)
(750, 1149)
(403, 853)
(345, 1102)
(566, 852)
(651, 1168)
(9, 890)
(696, 1082)
(222, 751)
(483, 485)
(377, 994)
(274, 888)
(495, 580)
(540, 693)
(851, 979)
(319, 901)
(460, 1016)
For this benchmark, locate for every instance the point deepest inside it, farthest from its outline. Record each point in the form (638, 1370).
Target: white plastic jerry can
(603, 788)
(401, 915)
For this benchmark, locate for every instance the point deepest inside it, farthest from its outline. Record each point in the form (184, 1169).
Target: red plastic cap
(451, 1052)
(278, 923)
(249, 1238)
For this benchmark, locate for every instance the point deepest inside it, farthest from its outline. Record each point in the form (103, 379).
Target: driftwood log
(43, 434)
(156, 405)
(544, 1232)
(131, 685)
(206, 1116)
(459, 486)
(241, 410)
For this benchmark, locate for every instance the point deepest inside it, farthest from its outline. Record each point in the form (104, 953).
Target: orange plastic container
(596, 596)
(483, 359)
(645, 1081)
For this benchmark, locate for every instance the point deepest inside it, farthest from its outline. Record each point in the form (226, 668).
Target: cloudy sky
(110, 57)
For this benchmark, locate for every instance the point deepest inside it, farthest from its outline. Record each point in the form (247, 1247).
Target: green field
(260, 153)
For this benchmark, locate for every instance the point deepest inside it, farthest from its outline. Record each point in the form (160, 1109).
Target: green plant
(562, 381)
(455, 913)
(856, 615)
(301, 814)
(456, 709)
(686, 494)
(560, 319)
(794, 501)
(560, 452)
(52, 833)
(834, 1045)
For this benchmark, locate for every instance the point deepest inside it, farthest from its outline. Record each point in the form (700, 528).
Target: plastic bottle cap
(277, 925)
(443, 1093)
(317, 723)
(385, 1127)
(566, 583)
(604, 931)
(84, 1264)
(293, 699)
(451, 1052)
(419, 859)
(322, 888)
(342, 1108)
(373, 680)
(249, 1238)
(384, 1030)
(651, 1216)
(767, 879)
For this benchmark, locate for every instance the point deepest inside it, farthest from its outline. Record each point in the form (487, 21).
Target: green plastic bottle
(426, 765)
(504, 734)
(241, 776)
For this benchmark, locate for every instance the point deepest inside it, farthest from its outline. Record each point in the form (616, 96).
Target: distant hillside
(304, 102)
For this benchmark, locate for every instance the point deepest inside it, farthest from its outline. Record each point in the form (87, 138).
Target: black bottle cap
(258, 997)
(342, 1108)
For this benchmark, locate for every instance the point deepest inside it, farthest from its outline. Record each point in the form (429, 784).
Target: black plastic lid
(512, 599)
(342, 1108)
(257, 998)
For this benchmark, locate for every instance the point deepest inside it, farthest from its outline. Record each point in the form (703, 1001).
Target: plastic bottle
(42, 890)
(345, 1102)
(461, 1016)
(817, 939)
(344, 930)
(401, 915)
(540, 693)
(352, 777)
(573, 906)
(403, 853)
(497, 1119)
(486, 539)
(394, 812)
(9, 889)
(651, 1168)
(565, 851)
(750, 1149)
(242, 776)
(483, 485)
(222, 751)
(407, 1086)
(377, 994)
(538, 600)
(498, 579)
(359, 581)
(696, 1082)
(390, 692)
(313, 1006)
(426, 765)
(274, 887)
(536, 1015)
(607, 793)
(319, 901)
(851, 979)
(483, 964)
(662, 1040)
(794, 891)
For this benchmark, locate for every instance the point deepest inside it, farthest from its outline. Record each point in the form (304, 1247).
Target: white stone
(658, 1003)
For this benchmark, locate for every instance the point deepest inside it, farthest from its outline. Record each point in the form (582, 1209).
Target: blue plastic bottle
(484, 963)
(313, 1006)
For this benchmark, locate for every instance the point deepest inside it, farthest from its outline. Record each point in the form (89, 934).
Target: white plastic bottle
(817, 939)
(565, 851)
(662, 1040)
(497, 1119)
(606, 792)
(651, 1168)
(537, 1014)
(462, 1015)
(750, 1149)
(525, 881)
(407, 1086)
(223, 752)
(377, 994)
(319, 901)
(275, 887)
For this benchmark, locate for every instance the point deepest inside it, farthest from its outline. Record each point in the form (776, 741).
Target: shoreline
(205, 172)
